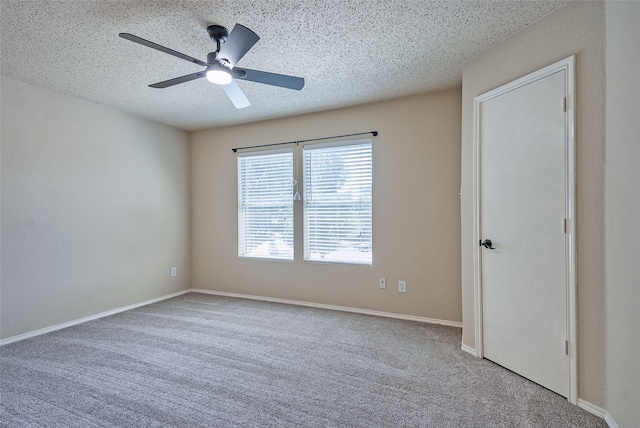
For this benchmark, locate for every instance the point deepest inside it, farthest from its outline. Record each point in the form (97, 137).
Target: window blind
(337, 202)
(265, 205)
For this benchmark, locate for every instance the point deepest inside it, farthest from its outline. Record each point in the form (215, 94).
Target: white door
(522, 207)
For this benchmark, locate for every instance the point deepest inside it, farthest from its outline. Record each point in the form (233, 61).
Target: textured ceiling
(349, 52)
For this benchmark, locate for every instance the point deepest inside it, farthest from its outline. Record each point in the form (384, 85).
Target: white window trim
(323, 145)
(256, 153)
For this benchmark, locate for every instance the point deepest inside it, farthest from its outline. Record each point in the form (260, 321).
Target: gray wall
(622, 213)
(95, 209)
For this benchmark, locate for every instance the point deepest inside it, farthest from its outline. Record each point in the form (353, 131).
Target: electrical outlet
(174, 271)
(382, 283)
(402, 286)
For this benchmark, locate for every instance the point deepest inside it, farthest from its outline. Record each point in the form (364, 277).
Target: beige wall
(95, 209)
(622, 208)
(577, 28)
(416, 215)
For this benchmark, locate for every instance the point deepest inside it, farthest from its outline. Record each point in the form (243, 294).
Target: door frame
(568, 65)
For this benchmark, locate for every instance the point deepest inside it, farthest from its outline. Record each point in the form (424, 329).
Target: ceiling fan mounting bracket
(218, 34)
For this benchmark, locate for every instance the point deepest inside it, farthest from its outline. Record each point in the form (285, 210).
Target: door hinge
(564, 104)
(566, 347)
(565, 225)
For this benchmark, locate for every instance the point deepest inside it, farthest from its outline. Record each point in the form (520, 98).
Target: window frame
(305, 225)
(242, 243)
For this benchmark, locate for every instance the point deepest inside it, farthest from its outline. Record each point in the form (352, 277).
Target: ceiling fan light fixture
(218, 75)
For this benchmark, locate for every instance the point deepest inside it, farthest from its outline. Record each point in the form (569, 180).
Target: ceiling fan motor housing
(211, 57)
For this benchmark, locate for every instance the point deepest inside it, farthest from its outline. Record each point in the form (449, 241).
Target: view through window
(337, 202)
(265, 205)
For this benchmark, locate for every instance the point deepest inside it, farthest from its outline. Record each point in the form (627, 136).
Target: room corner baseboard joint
(469, 350)
(598, 411)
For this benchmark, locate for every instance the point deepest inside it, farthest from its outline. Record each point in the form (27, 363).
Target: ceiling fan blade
(235, 94)
(177, 80)
(161, 48)
(240, 40)
(289, 82)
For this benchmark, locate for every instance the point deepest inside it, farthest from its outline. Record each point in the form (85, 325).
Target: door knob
(487, 244)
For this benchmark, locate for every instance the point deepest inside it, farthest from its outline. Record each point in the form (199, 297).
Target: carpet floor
(199, 360)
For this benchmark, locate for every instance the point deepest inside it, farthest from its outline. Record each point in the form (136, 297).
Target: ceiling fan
(221, 65)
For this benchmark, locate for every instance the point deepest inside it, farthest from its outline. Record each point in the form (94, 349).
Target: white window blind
(265, 205)
(337, 202)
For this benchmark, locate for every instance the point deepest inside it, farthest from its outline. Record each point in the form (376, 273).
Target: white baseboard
(598, 411)
(331, 307)
(85, 319)
(468, 349)
(591, 408)
(221, 293)
(609, 420)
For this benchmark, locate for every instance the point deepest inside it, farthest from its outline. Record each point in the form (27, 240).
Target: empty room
(319, 214)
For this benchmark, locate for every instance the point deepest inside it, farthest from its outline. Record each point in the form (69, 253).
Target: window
(265, 205)
(337, 202)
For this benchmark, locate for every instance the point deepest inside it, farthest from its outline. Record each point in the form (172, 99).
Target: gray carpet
(205, 361)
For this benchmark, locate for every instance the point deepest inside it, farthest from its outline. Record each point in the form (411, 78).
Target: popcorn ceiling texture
(349, 52)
